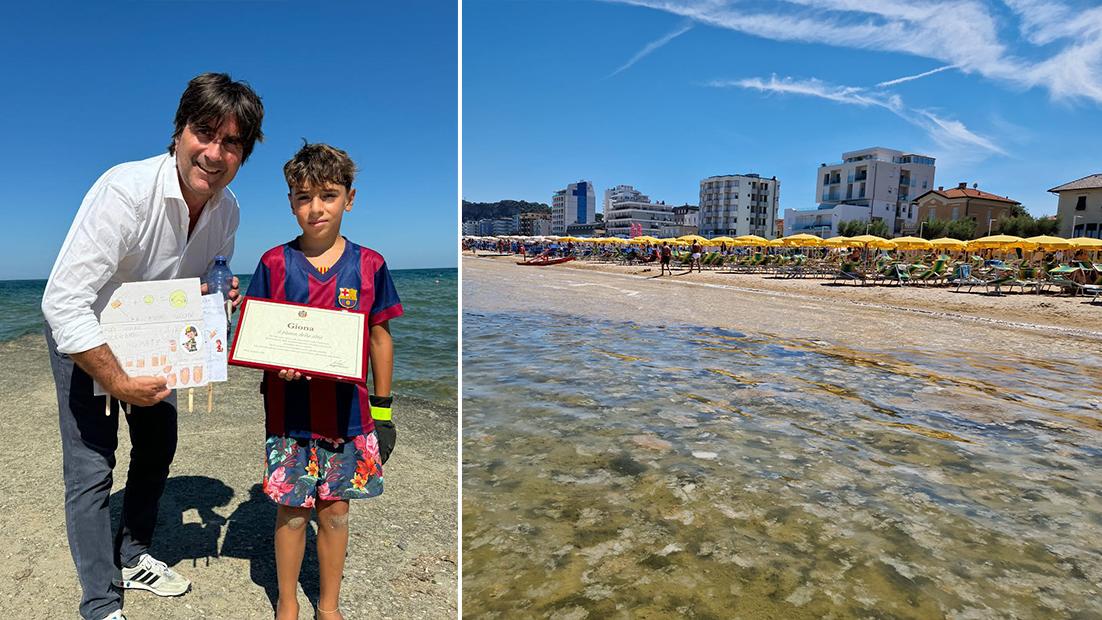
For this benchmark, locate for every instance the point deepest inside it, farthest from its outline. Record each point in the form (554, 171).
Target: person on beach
(327, 440)
(160, 218)
(665, 254)
(696, 251)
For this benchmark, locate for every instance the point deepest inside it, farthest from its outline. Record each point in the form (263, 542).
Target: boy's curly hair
(318, 164)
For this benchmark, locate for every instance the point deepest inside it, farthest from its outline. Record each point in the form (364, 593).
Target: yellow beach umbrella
(866, 240)
(752, 240)
(718, 240)
(1046, 242)
(835, 242)
(691, 238)
(643, 240)
(912, 243)
(993, 241)
(802, 240)
(1087, 243)
(775, 243)
(948, 243)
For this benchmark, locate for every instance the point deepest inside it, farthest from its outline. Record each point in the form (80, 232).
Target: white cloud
(653, 45)
(917, 76)
(961, 33)
(949, 134)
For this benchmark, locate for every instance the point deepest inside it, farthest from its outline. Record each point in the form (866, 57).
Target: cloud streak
(653, 45)
(917, 76)
(948, 133)
(962, 33)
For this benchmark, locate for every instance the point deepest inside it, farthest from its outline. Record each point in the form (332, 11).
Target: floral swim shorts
(301, 471)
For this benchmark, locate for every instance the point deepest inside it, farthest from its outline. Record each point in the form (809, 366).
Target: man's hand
(142, 391)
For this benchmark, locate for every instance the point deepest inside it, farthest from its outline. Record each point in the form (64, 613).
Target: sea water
(616, 469)
(425, 337)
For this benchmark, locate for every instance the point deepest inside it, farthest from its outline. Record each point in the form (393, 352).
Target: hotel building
(738, 204)
(576, 204)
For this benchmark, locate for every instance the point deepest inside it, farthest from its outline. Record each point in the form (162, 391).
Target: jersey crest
(348, 297)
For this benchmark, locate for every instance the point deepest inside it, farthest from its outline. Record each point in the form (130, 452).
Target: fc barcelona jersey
(358, 281)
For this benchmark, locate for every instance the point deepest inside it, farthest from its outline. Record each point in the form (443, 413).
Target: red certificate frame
(303, 313)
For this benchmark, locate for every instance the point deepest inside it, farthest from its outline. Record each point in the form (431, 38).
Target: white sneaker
(116, 615)
(153, 575)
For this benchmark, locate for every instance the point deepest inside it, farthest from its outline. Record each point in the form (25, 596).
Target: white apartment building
(822, 221)
(739, 204)
(885, 181)
(576, 204)
(1080, 207)
(625, 206)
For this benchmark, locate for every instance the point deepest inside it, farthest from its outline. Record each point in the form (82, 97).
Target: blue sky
(91, 85)
(662, 93)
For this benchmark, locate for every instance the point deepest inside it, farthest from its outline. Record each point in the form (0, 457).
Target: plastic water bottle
(220, 280)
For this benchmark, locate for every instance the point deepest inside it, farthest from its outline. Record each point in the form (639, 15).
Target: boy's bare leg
(290, 545)
(332, 548)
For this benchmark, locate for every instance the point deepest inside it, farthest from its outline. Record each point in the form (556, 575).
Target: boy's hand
(235, 292)
(384, 426)
(292, 375)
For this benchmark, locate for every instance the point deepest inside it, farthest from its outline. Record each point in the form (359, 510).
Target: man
(161, 218)
(697, 251)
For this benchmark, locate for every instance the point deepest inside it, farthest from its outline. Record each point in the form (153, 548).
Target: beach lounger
(850, 272)
(963, 277)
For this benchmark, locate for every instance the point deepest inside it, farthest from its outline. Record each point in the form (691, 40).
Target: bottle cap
(219, 259)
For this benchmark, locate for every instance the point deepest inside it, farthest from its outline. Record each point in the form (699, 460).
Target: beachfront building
(576, 204)
(1080, 207)
(627, 209)
(963, 202)
(593, 229)
(823, 222)
(738, 204)
(535, 224)
(686, 220)
(883, 182)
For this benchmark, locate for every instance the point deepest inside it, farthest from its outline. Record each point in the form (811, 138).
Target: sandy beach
(1070, 316)
(215, 525)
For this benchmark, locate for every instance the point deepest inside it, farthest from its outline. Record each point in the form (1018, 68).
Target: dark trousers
(88, 442)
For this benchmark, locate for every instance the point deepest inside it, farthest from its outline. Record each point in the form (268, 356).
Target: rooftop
(1093, 181)
(971, 192)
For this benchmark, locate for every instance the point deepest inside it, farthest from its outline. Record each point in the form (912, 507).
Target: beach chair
(850, 272)
(999, 276)
(963, 277)
(896, 272)
(935, 274)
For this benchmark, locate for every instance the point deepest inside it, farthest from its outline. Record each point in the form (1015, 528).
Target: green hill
(501, 208)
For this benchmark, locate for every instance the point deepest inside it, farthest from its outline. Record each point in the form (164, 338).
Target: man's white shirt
(131, 227)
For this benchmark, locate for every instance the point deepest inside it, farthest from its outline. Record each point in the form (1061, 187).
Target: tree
(854, 228)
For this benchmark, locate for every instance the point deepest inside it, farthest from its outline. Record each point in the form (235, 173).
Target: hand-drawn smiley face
(178, 299)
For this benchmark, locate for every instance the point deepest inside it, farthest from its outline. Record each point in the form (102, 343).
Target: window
(1081, 203)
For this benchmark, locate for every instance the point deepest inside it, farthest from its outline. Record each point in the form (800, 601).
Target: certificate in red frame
(318, 342)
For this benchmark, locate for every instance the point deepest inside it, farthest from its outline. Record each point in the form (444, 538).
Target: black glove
(384, 426)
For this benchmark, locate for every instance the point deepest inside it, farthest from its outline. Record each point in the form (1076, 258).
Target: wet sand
(798, 307)
(215, 526)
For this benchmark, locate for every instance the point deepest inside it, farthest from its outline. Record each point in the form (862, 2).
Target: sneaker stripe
(151, 579)
(138, 577)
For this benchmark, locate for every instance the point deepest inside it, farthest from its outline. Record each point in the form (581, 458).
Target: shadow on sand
(188, 528)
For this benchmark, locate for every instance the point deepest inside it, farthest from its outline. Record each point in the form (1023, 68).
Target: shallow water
(625, 470)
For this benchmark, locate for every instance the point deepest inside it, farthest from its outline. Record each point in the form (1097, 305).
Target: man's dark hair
(210, 98)
(318, 164)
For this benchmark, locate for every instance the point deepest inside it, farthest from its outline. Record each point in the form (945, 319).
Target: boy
(326, 440)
